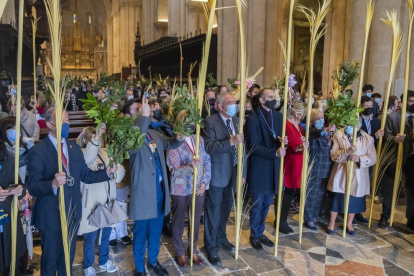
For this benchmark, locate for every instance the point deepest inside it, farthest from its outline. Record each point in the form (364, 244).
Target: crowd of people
(157, 180)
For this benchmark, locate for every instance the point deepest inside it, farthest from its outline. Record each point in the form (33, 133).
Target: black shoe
(255, 242)
(140, 273)
(30, 272)
(284, 228)
(126, 240)
(214, 260)
(113, 243)
(228, 247)
(355, 221)
(410, 225)
(361, 218)
(265, 240)
(383, 223)
(158, 269)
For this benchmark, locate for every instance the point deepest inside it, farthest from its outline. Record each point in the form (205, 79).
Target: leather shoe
(383, 223)
(285, 228)
(228, 247)
(255, 242)
(197, 260)
(140, 273)
(182, 261)
(158, 269)
(265, 240)
(214, 260)
(361, 218)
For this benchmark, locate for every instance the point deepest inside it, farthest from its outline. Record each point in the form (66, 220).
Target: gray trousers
(180, 205)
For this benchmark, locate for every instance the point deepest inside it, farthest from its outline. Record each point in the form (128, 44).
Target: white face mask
(130, 97)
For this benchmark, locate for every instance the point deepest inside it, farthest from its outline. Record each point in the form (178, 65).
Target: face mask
(191, 129)
(378, 100)
(157, 114)
(32, 100)
(130, 97)
(313, 101)
(298, 99)
(346, 96)
(248, 112)
(411, 108)
(367, 111)
(65, 130)
(319, 123)
(36, 111)
(349, 130)
(231, 110)
(368, 94)
(212, 102)
(11, 135)
(324, 101)
(270, 104)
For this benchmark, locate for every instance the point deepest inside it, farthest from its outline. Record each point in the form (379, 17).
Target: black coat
(204, 112)
(264, 166)
(42, 167)
(7, 178)
(320, 150)
(375, 126)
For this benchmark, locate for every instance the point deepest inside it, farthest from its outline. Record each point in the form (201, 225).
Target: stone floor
(373, 251)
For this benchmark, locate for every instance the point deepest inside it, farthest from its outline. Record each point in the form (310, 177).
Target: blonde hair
(86, 134)
(321, 106)
(298, 107)
(314, 115)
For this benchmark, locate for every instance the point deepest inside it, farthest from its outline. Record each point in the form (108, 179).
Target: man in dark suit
(370, 125)
(44, 182)
(263, 129)
(392, 130)
(221, 139)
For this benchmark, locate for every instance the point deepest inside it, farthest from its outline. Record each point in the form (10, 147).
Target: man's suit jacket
(217, 144)
(375, 108)
(392, 128)
(264, 169)
(143, 174)
(42, 167)
(204, 113)
(375, 126)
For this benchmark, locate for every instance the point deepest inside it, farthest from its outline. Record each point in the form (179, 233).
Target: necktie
(234, 147)
(64, 160)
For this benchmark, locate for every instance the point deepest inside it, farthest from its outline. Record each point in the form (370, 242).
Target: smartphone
(146, 94)
(12, 187)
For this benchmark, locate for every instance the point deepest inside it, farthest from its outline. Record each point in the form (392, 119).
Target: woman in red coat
(293, 161)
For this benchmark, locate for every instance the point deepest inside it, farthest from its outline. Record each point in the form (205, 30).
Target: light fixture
(199, 0)
(162, 20)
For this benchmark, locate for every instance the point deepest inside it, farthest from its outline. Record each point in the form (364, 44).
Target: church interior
(129, 39)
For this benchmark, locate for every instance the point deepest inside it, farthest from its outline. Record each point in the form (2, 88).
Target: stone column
(116, 36)
(227, 43)
(379, 54)
(110, 40)
(335, 44)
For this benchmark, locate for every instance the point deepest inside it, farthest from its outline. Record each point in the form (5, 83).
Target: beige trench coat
(95, 194)
(360, 185)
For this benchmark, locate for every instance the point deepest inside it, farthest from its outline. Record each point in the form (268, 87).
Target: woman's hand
(351, 150)
(3, 194)
(196, 162)
(354, 158)
(306, 144)
(200, 191)
(17, 191)
(100, 131)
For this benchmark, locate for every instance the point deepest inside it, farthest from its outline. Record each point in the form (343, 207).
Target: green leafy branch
(343, 112)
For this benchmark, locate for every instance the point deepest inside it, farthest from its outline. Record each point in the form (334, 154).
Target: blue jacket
(42, 167)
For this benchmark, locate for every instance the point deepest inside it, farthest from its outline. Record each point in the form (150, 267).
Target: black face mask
(212, 102)
(270, 104)
(411, 108)
(368, 111)
(248, 112)
(157, 114)
(191, 129)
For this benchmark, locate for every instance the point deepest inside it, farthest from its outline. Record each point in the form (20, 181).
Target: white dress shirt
(231, 123)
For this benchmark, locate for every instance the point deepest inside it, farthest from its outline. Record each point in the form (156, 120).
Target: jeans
(89, 247)
(147, 230)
